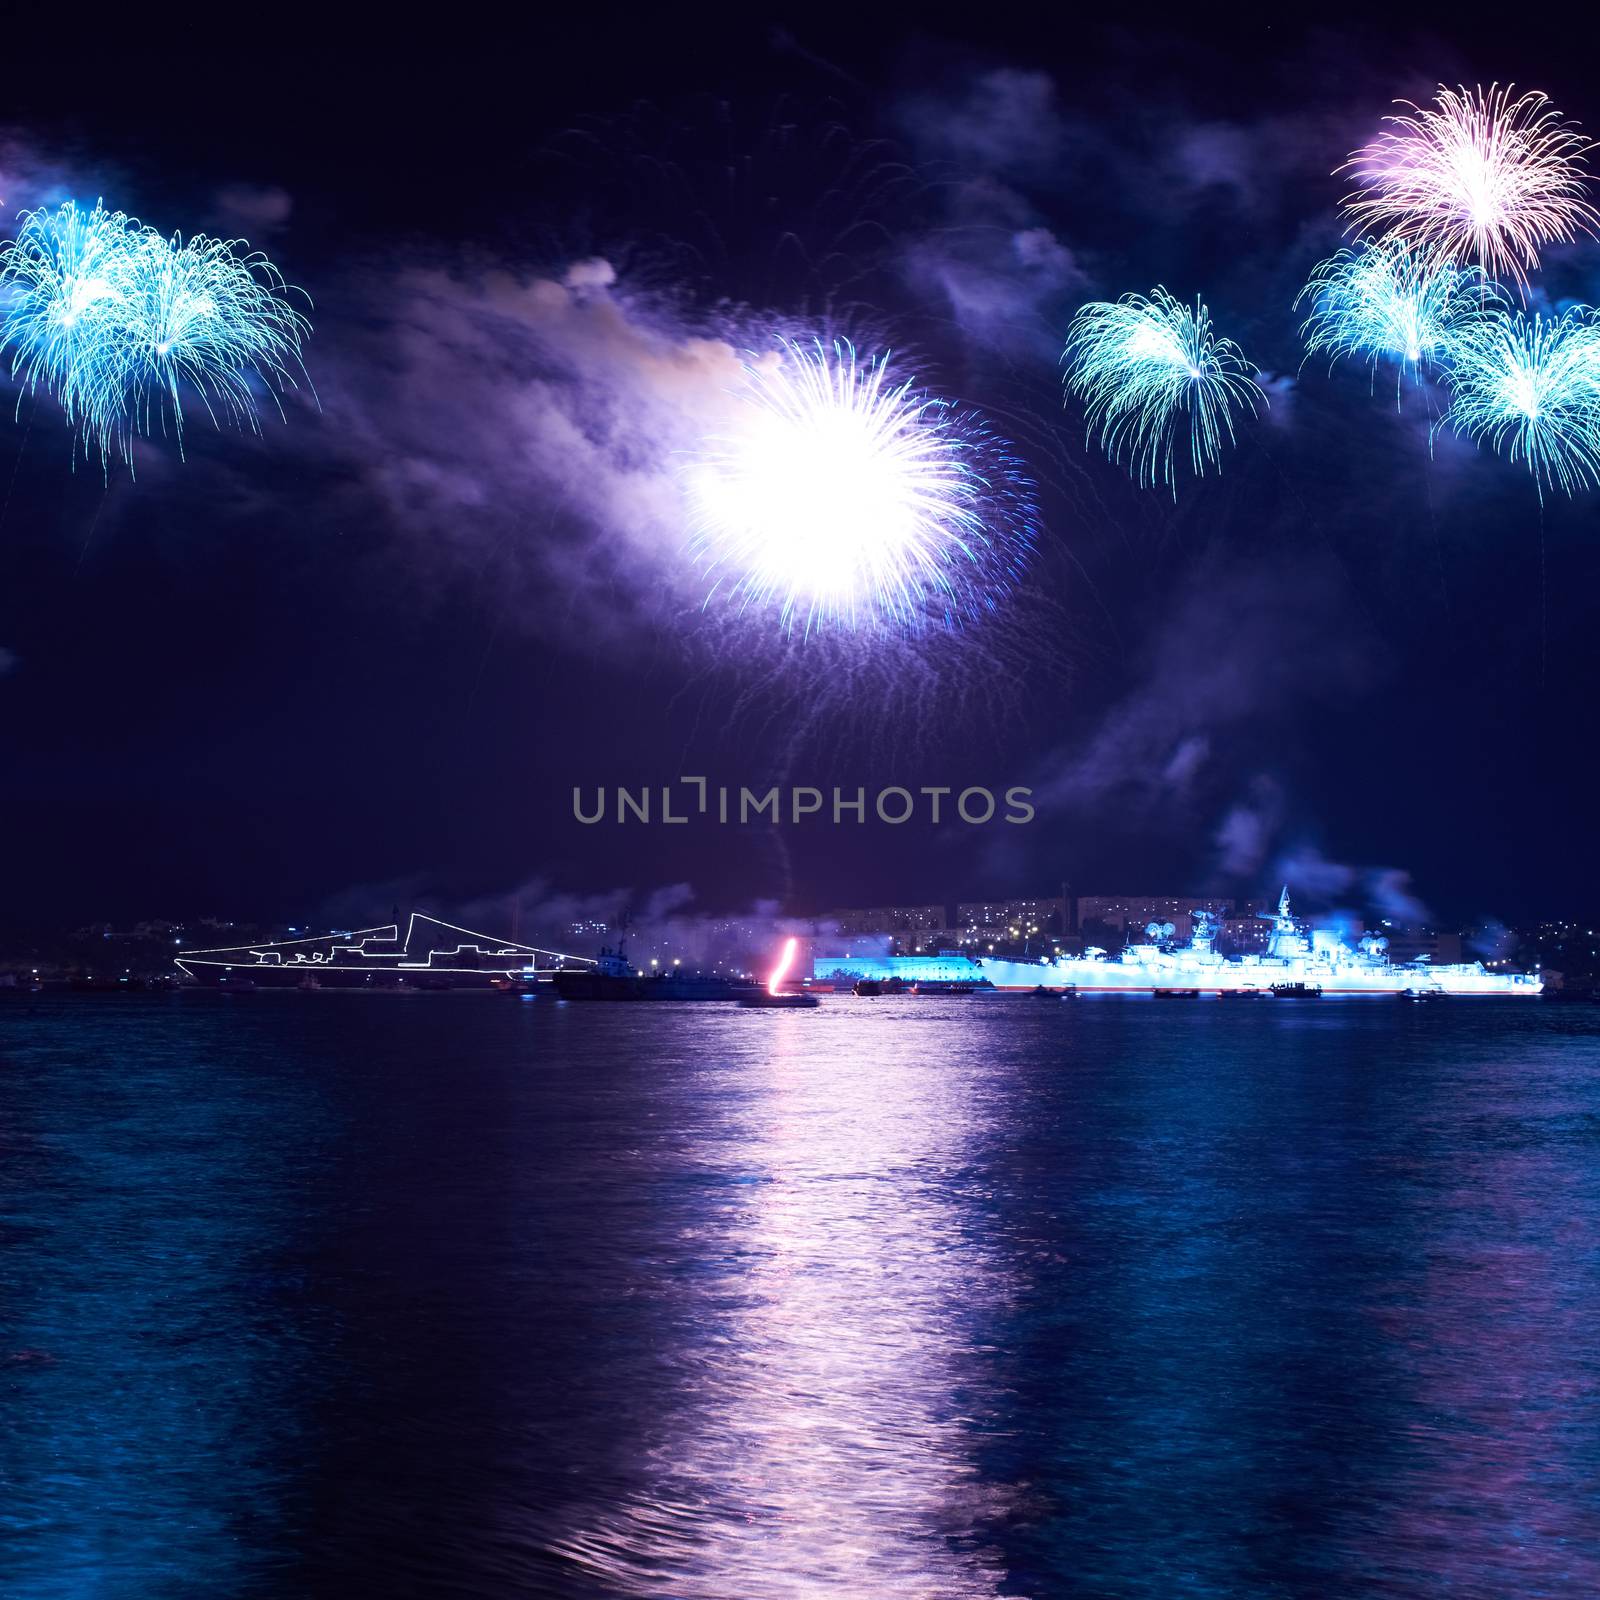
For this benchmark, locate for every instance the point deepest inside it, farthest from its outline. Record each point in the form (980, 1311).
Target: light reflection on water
(154, 1364)
(322, 1295)
(1492, 1337)
(820, 1441)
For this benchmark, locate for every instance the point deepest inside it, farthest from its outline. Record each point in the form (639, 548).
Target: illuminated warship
(1297, 960)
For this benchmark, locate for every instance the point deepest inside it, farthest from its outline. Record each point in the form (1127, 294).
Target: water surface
(334, 1295)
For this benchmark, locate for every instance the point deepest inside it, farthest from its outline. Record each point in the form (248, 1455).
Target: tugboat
(613, 977)
(1296, 991)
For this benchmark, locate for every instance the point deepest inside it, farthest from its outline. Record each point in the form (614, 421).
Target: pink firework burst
(1477, 176)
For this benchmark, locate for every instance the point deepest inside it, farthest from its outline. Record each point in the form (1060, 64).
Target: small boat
(1296, 991)
(1042, 993)
(1177, 994)
(762, 1000)
(519, 988)
(867, 988)
(939, 986)
(1240, 994)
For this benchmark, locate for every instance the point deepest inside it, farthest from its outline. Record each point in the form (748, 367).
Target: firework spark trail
(1388, 301)
(63, 280)
(209, 320)
(1142, 366)
(1530, 387)
(1477, 175)
(120, 324)
(842, 500)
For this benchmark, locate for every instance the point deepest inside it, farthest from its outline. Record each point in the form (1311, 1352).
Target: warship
(1299, 961)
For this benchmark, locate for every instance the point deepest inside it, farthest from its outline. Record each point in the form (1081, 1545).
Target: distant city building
(1245, 930)
(1126, 916)
(1412, 944)
(887, 919)
(1243, 935)
(1013, 919)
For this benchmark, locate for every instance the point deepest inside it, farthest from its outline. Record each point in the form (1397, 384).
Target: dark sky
(369, 655)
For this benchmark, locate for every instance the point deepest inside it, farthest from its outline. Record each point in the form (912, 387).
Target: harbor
(430, 955)
(1296, 954)
(798, 807)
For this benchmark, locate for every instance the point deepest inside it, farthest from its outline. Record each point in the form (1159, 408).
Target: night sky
(366, 657)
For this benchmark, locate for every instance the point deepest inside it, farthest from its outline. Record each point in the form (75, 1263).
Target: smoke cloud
(1383, 891)
(994, 262)
(540, 419)
(1220, 674)
(1248, 831)
(663, 923)
(253, 208)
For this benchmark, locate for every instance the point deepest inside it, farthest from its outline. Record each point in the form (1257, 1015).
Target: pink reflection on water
(1495, 1344)
(816, 1436)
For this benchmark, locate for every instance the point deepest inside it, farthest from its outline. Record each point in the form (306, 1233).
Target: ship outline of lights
(501, 960)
